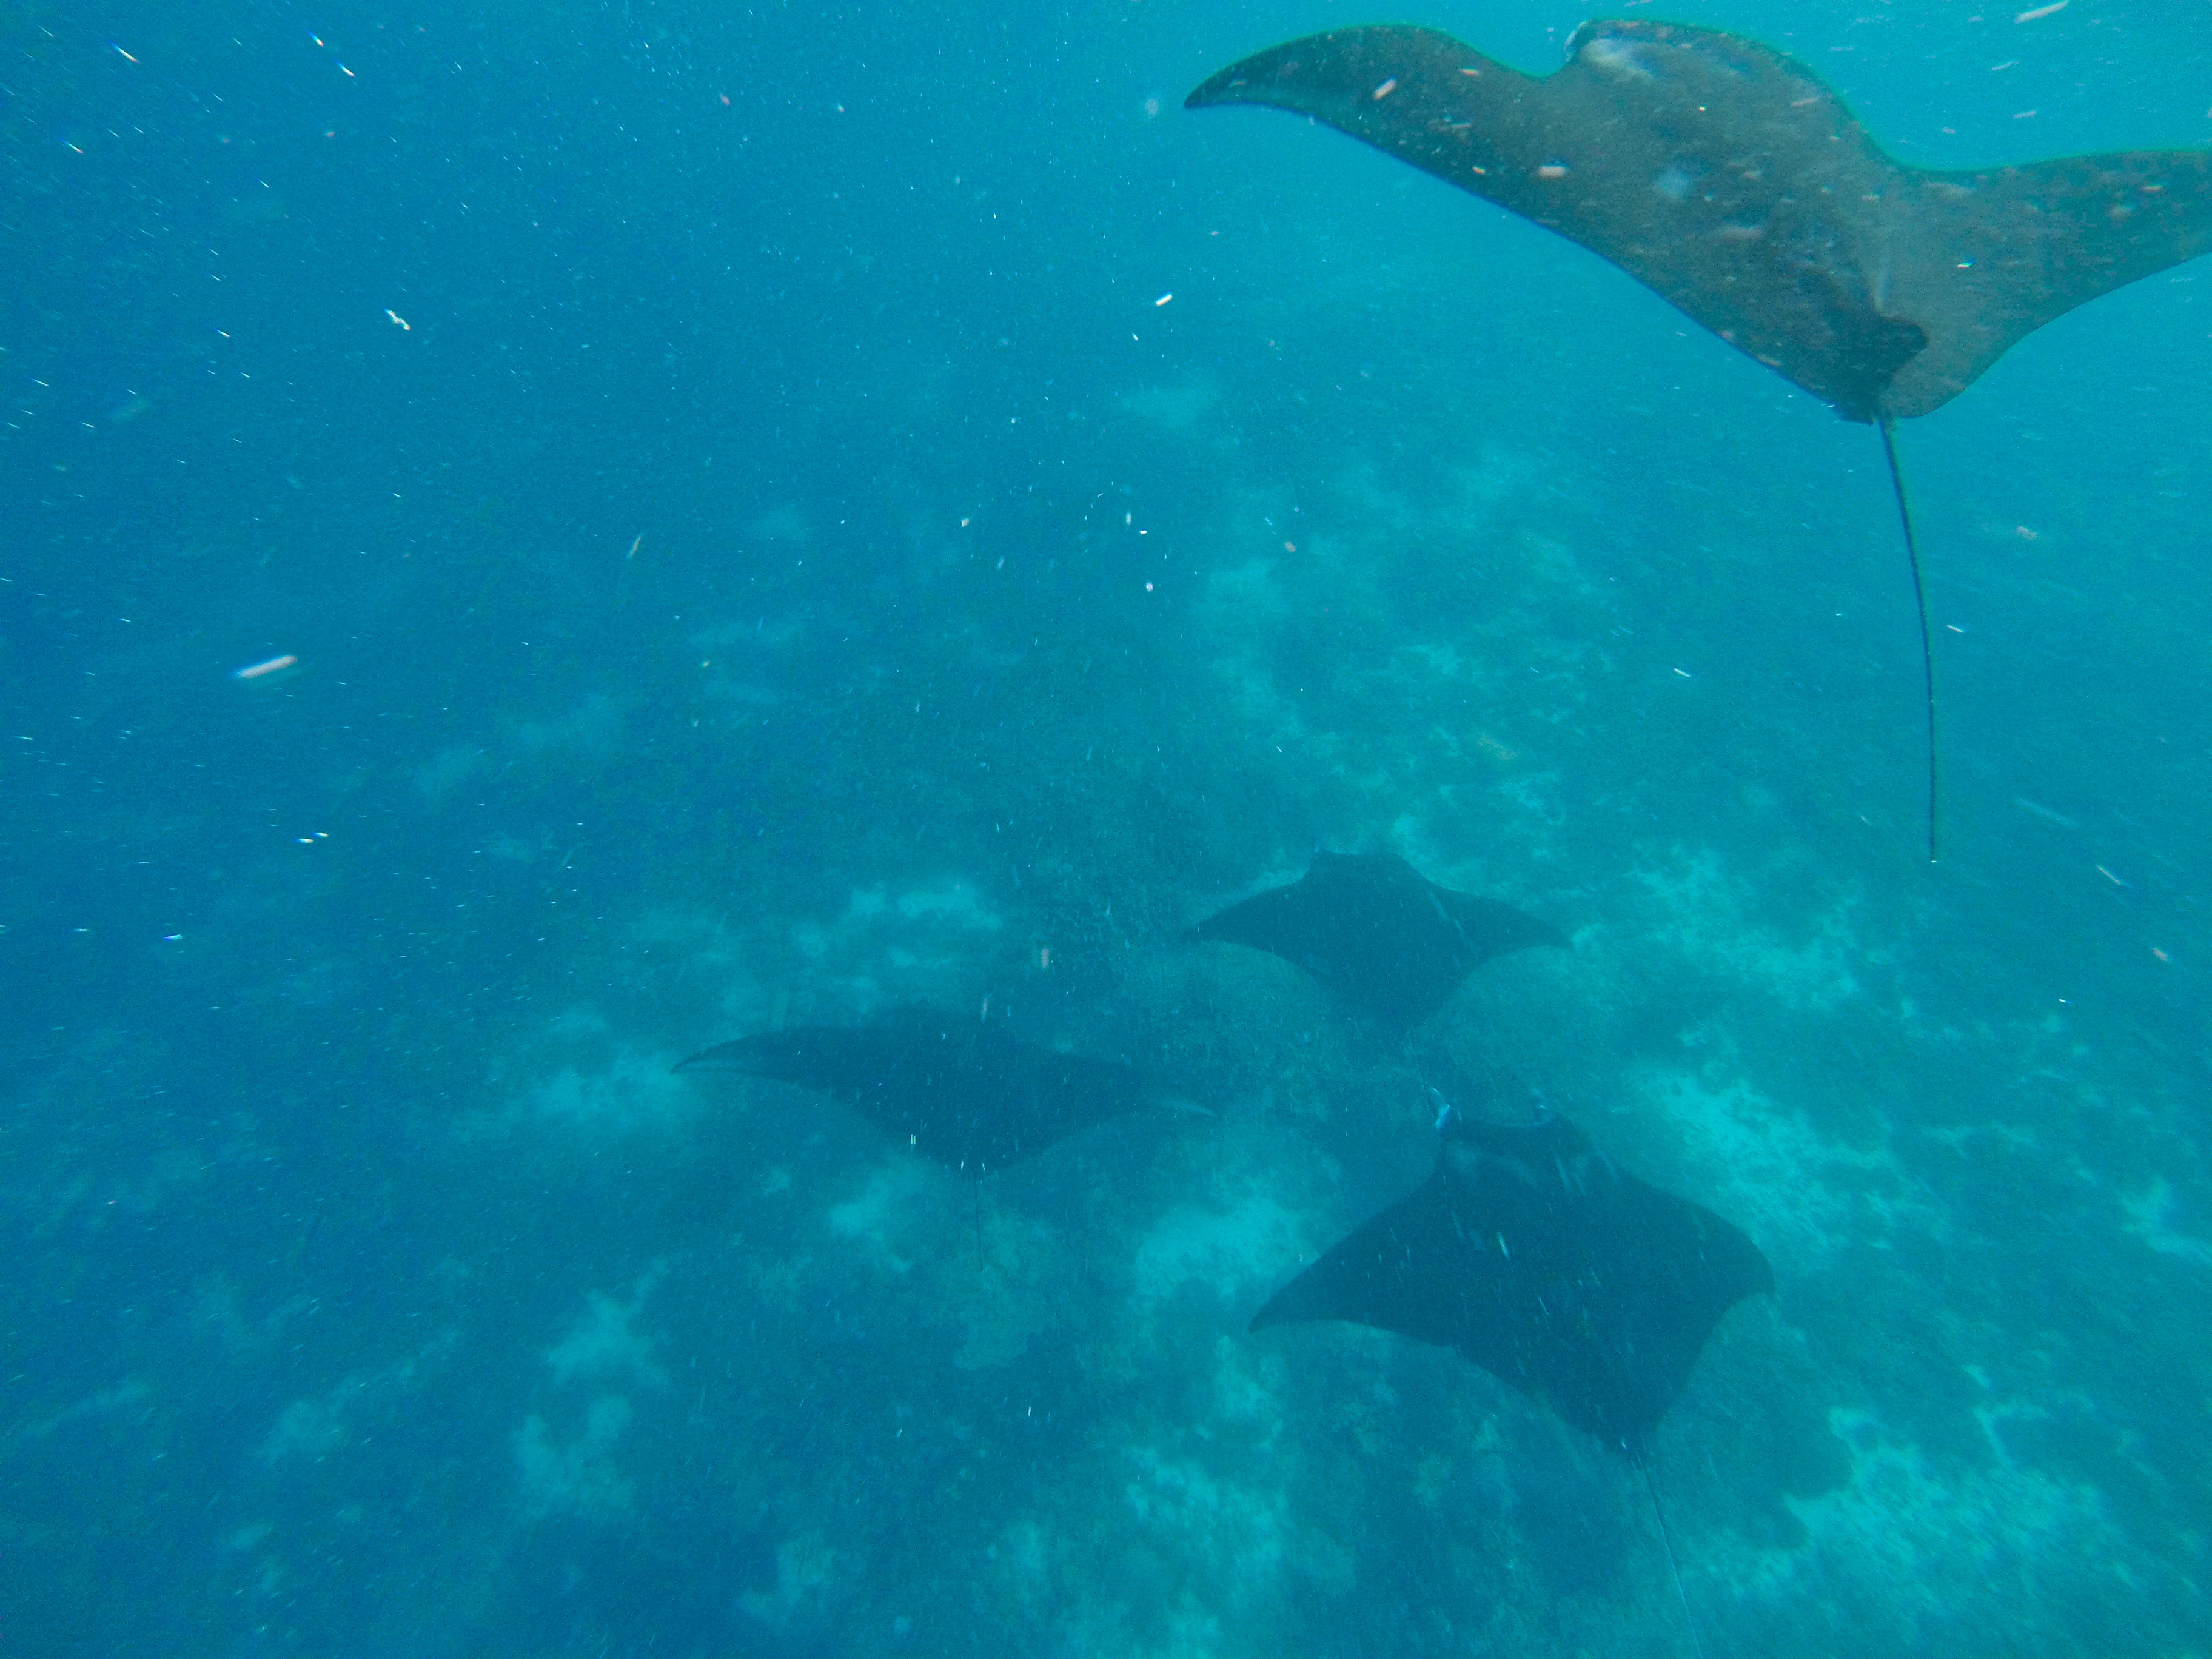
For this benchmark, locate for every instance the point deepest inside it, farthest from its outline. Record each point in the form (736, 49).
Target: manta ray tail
(1920, 604)
(1659, 1512)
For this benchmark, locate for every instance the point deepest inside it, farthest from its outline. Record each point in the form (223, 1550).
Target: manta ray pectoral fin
(1993, 256)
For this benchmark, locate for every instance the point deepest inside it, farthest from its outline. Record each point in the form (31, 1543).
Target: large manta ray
(1731, 182)
(1546, 1264)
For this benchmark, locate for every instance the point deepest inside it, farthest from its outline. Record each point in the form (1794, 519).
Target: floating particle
(2045, 812)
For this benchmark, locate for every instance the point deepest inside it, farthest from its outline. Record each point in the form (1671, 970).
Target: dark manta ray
(1369, 927)
(1546, 1264)
(1732, 183)
(955, 1088)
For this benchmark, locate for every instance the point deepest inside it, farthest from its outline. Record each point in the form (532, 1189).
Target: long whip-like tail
(1659, 1513)
(1920, 605)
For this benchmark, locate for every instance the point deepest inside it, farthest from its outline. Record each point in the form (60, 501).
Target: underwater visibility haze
(1013, 623)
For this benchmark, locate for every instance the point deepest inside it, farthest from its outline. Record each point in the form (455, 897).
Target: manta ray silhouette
(953, 1088)
(1546, 1264)
(1392, 944)
(1730, 181)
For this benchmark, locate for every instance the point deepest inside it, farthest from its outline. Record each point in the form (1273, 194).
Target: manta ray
(1733, 183)
(1549, 1265)
(953, 1088)
(1390, 943)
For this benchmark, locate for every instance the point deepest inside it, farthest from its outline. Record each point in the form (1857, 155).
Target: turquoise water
(763, 560)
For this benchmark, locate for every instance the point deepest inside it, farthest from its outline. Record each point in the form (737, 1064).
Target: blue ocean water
(780, 511)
